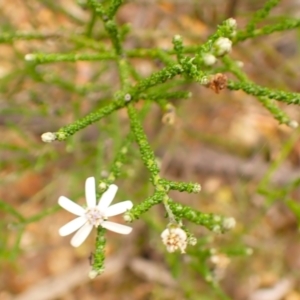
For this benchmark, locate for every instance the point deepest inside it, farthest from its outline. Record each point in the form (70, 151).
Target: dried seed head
(217, 82)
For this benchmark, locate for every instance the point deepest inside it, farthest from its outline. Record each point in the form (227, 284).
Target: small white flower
(95, 214)
(174, 238)
(222, 46)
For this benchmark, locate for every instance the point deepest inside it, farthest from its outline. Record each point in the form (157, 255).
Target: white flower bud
(127, 97)
(231, 23)
(249, 251)
(293, 124)
(127, 217)
(48, 137)
(102, 186)
(216, 229)
(192, 241)
(222, 46)
(93, 274)
(240, 64)
(204, 80)
(104, 173)
(229, 223)
(177, 38)
(29, 57)
(209, 59)
(197, 188)
(124, 150)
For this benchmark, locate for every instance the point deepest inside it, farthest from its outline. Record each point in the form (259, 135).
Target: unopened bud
(293, 124)
(127, 217)
(192, 241)
(177, 38)
(209, 59)
(196, 188)
(127, 97)
(102, 186)
(229, 223)
(231, 23)
(48, 137)
(29, 57)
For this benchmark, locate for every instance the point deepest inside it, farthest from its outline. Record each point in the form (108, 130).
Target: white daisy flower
(94, 214)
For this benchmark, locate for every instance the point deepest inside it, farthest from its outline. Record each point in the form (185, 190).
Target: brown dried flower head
(217, 82)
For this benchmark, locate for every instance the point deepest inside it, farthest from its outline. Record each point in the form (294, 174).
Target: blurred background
(247, 164)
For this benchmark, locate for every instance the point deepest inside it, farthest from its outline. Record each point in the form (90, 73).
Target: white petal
(118, 228)
(107, 197)
(70, 206)
(72, 226)
(90, 192)
(81, 235)
(165, 234)
(118, 208)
